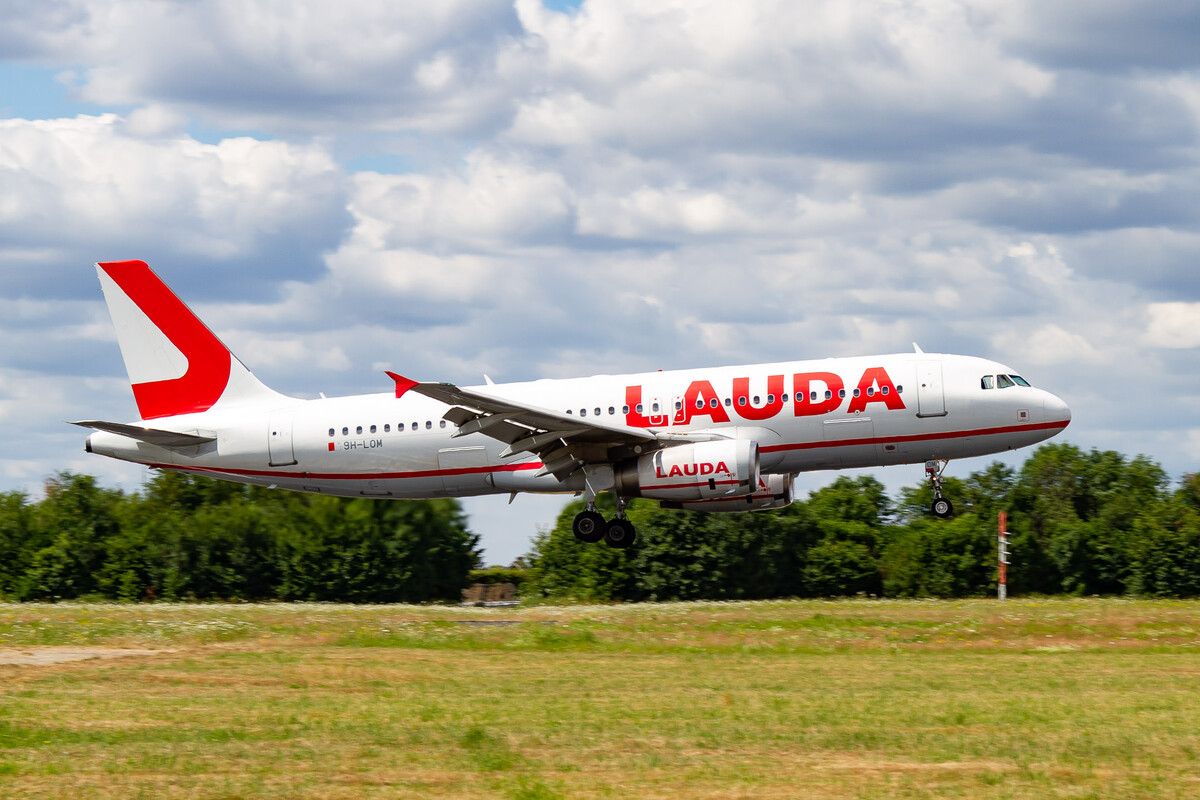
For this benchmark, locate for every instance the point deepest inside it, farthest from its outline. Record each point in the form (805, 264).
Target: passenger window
(583, 412)
(987, 382)
(870, 391)
(857, 393)
(372, 429)
(331, 433)
(728, 402)
(654, 408)
(756, 400)
(611, 411)
(828, 395)
(770, 399)
(415, 426)
(713, 403)
(678, 405)
(812, 396)
(883, 390)
(569, 411)
(742, 400)
(441, 423)
(842, 394)
(899, 389)
(625, 409)
(358, 429)
(1003, 382)
(428, 425)
(345, 431)
(784, 397)
(387, 427)
(639, 408)
(597, 412)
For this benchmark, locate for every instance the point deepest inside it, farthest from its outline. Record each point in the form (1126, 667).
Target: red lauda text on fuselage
(701, 468)
(813, 393)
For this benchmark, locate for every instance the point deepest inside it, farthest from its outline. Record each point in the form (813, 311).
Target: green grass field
(1032, 698)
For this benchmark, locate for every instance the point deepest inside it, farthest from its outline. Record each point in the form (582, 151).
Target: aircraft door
(931, 399)
(279, 439)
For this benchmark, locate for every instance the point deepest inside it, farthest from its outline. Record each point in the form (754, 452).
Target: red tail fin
(175, 363)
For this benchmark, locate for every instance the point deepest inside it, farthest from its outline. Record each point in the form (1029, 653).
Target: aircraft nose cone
(1055, 410)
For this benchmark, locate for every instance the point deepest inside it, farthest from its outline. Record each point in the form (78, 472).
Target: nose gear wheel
(941, 507)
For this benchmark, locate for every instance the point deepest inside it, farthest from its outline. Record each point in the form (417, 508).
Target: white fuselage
(910, 408)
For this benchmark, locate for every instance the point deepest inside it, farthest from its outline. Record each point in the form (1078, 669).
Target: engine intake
(702, 471)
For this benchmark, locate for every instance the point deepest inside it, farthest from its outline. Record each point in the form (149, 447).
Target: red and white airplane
(721, 439)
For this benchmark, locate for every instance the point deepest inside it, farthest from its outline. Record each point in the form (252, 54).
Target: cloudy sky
(552, 189)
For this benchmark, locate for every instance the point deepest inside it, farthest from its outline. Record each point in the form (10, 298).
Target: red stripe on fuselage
(916, 437)
(656, 487)
(355, 476)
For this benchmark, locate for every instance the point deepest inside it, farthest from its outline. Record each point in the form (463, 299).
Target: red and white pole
(1002, 554)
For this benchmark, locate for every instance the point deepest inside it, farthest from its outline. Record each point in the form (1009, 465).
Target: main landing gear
(590, 526)
(941, 507)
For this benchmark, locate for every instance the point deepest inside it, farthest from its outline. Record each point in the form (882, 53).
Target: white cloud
(303, 65)
(1046, 265)
(1050, 344)
(1173, 325)
(98, 187)
(491, 203)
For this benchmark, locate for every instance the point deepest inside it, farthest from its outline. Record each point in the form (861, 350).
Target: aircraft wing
(565, 443)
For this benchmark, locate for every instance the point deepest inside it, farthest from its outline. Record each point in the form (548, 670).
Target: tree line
(1079, 522)
(190, 538)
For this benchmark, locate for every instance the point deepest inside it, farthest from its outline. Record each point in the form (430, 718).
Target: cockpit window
(1003, 381)
(987, 382)
(1017, 379)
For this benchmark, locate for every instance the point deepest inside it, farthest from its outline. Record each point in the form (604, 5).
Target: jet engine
(774, 491)
(702, 471)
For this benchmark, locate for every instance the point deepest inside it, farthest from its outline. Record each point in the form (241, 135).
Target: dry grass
(853, 699)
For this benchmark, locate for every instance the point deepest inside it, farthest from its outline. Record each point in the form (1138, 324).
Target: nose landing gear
(941, 507)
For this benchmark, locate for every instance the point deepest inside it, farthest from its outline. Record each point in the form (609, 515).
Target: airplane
(725, 439)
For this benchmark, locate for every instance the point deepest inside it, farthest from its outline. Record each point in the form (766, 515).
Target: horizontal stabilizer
(149, 435)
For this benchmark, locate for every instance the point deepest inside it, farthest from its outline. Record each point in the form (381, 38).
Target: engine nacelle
(701, 471)
(774, 491)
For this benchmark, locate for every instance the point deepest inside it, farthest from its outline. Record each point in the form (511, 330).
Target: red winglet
(403, 384)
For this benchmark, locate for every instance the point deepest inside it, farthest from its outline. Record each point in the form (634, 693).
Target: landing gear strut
(941, 507)
(589, 526)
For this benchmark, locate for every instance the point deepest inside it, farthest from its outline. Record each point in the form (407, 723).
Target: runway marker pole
(1002, 554)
